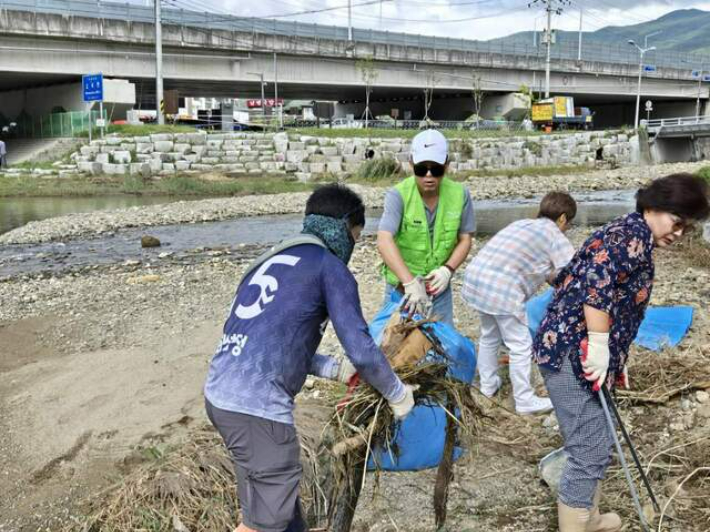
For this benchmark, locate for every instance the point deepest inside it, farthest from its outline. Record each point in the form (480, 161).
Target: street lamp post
(701, 72)
(642, 51)
(697, 100)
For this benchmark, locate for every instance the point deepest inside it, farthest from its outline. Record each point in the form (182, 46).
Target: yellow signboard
(542, 112)
(561, 106)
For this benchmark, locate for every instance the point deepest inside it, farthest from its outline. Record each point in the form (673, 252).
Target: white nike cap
(429, 145)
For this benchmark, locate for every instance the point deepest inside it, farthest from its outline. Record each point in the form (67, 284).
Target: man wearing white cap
(425, 230)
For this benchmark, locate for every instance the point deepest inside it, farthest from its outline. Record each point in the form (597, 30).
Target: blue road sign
(649, 68)
(93, 85)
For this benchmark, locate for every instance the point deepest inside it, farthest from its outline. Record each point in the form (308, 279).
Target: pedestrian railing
(679, 121)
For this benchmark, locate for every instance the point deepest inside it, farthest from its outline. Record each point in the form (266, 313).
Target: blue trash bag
(419, 439)
(661, 327)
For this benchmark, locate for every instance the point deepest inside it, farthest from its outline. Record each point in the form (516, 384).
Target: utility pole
(350, 20)
(549, 44)
(579, 51)
(550, 7)
(279, 108)
(158, 64)
(263, 101)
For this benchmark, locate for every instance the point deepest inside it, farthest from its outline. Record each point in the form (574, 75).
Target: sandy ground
(99, 367)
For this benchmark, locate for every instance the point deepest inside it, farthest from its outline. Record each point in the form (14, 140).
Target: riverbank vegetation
(208, 186)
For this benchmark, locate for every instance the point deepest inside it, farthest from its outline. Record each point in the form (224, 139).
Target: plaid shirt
(514, 264)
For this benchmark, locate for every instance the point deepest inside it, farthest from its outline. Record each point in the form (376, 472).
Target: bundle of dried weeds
(191, 489)
(657, 377)
(367, 419)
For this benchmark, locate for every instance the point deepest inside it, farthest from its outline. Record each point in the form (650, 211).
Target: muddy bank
(72, 226)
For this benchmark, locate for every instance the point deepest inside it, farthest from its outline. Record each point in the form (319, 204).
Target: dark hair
(337, 201)
(555, 204)
(682, 194)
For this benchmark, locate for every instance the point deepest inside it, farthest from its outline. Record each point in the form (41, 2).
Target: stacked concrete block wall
(303, 157)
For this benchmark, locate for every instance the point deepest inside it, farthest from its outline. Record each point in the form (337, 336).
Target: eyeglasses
(422, 169)
(679, 224)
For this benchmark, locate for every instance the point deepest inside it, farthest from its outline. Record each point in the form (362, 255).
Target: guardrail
(679, 121)
(566, 50)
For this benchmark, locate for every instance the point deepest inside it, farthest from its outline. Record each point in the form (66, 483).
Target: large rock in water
(148, 241)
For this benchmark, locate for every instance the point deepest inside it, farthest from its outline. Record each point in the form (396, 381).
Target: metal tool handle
(622, 459)
(625, 434)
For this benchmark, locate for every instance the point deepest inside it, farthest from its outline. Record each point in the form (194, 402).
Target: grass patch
(26, 186)
(704, 172)
(378, 169)
(527, 170)
(33, 165)
(129, 130)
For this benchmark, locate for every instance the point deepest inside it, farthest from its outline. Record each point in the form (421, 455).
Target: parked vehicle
(560, 113)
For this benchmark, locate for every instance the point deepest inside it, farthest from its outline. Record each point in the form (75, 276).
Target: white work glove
(345, 371)
(416, 300)
(438, 280)
(404, 406)
(596, 362)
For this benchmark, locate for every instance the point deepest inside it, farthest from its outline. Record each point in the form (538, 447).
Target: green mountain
(684, 30)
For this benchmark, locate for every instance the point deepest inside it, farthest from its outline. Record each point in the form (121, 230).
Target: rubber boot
(572, 519)
(598, 522)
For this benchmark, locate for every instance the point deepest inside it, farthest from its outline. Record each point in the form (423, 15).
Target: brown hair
(555, 204)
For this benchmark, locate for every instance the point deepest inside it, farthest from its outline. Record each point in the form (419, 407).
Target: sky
(470, 19)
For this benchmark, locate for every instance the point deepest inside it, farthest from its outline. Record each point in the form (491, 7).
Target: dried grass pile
(670, 372)
(366, 421)
(191, 489)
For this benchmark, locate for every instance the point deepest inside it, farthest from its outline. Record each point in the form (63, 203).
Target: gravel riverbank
(103, 366)
(488, 187)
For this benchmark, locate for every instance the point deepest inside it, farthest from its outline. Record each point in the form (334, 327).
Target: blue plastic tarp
(419, 439)
(661, 327)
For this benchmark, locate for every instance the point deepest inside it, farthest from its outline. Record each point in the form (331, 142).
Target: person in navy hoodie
(281, 309)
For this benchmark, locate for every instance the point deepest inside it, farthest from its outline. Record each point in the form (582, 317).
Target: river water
(183, 241)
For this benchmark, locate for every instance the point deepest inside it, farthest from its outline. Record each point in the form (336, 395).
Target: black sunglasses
(436, 169)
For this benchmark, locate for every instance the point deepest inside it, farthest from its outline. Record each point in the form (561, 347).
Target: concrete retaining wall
(304, 157)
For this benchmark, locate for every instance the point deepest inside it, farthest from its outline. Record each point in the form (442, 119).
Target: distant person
(426, 229)
(601, 298)
(277, 320)
(3, 154)
(498, 282)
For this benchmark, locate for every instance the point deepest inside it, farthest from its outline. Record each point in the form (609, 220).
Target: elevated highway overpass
(46, 43)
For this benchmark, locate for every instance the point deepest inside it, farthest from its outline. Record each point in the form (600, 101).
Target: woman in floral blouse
(601, 296)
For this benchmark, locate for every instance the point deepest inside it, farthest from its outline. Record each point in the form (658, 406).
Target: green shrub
(377, 169)
(704, 172)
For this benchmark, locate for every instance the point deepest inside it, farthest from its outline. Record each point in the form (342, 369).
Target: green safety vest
(420, 254)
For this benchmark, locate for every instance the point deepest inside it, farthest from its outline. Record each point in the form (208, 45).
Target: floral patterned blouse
(612, 272)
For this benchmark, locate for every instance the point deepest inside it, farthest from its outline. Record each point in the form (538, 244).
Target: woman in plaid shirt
(601, 296)
(501, 278)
